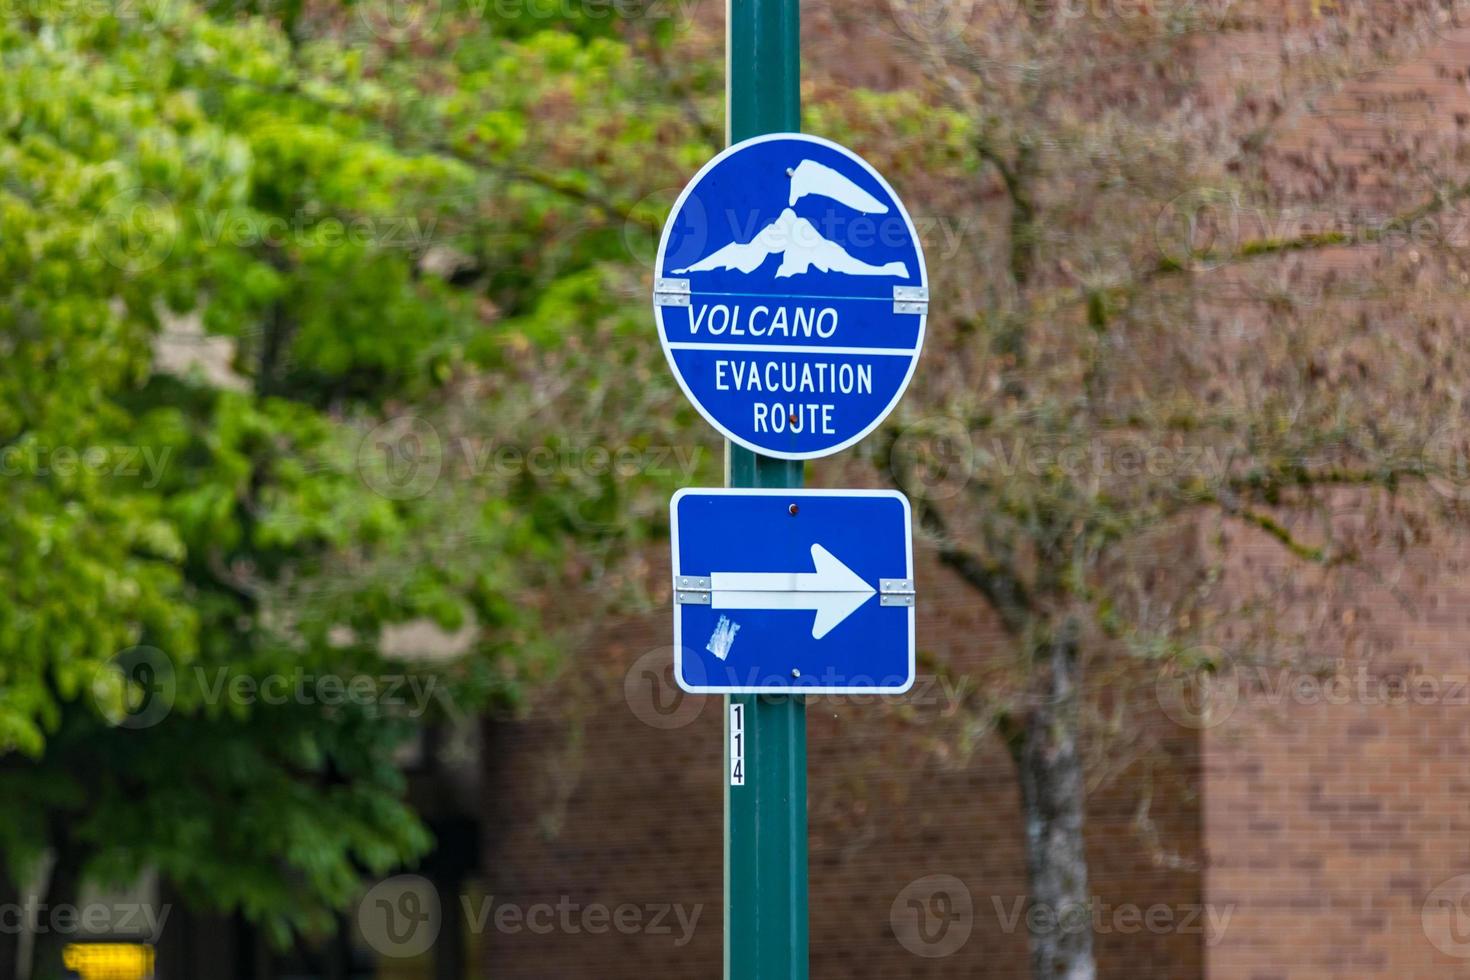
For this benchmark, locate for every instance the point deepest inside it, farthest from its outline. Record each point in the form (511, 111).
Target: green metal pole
(765, 816)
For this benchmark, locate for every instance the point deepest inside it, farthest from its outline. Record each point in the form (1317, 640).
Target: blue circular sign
(791, 294)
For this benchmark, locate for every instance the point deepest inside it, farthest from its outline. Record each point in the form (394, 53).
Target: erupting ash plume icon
(800, 245)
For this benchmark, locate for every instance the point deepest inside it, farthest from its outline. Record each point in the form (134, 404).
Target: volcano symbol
(801, 246)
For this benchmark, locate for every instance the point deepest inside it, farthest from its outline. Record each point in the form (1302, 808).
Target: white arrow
(833, 591)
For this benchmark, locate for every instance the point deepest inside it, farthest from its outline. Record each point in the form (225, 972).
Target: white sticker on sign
(737, 745)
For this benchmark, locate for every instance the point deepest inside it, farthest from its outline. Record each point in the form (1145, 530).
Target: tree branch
(512, 172)
(1000, 584)
(1023, 209)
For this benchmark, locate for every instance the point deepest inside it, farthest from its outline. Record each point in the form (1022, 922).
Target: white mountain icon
(798, 242)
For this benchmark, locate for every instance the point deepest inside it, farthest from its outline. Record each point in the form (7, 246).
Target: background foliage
(288, 299)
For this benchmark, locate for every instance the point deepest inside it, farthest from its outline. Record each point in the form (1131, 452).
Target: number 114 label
(737, 745)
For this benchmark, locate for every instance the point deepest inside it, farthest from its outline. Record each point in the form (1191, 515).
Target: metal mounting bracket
(671, 292)
(911, 299)
(692, 590)
(896, 591)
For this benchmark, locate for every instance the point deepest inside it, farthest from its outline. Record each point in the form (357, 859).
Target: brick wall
(1335, 798)
(587, 803)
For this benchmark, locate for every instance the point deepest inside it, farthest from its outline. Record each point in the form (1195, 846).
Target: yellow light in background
(109, 961)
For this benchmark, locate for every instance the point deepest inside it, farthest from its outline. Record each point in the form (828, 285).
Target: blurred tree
(1135, 356)
(290, 354)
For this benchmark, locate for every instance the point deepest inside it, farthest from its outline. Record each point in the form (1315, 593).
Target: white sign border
(908, 548)
(658, 311)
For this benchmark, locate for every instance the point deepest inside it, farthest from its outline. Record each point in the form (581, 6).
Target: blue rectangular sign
(805, 591)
